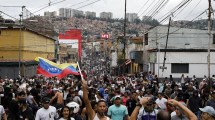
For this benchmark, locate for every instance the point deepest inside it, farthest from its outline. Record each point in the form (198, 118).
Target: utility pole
(20, 39)
(124, 40)
(166, 45)
(158, 54)
(209, 40)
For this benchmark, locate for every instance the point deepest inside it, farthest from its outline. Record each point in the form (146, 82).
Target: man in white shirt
(161, 101)
(2, 113)
(47, 112)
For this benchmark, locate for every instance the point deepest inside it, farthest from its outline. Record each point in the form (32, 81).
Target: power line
(143, 6)
(38, 27)
(184, 25)
(156, 6)
(42, 5)
(193, 8)
(171, 12)
(182, 8)
(146, 8)
(79, 3)
(88, 4)
(159, 7)
(49, 6)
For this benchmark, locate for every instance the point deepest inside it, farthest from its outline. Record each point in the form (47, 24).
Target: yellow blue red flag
(51, 69)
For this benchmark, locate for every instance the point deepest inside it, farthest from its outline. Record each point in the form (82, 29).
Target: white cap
(208, 109)
(55, 89)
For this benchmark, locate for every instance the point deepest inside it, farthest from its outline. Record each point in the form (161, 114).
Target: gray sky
(192, 10)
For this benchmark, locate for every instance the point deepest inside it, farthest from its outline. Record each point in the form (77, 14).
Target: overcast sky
(191, 10)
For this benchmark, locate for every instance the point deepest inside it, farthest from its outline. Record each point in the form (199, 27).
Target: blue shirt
(117, 112)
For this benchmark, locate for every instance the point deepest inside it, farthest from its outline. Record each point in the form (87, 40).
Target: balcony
(137, 56)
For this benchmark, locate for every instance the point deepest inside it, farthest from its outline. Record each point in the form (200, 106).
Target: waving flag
(50, 69)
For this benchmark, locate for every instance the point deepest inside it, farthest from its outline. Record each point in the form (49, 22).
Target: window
(213, 38)
(146, 39)
(180, 68)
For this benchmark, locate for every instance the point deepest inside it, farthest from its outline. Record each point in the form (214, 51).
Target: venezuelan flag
(50, 69)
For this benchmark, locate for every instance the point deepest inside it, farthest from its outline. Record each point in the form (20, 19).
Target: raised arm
(189, 114)
(89, 110)
(142, 102)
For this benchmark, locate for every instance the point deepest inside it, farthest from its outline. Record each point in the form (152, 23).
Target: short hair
(100, 101)
(160, 93)
(163, 115)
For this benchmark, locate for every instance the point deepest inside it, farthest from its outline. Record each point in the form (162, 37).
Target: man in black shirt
(131, 103)
(14, 108)
(25, 111)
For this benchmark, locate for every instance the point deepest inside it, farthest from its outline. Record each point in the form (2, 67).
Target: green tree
(137, 21)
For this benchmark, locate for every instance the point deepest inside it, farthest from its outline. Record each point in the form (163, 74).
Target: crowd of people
(140, 97)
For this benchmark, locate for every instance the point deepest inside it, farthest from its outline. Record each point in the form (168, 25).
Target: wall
(32, 45)
(197, 63)
(9, 41)
(36, 45)
(178, 38)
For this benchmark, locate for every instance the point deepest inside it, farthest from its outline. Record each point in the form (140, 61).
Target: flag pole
(82, 78)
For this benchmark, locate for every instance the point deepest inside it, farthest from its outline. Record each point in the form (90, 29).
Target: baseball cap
(208, 109)
(117, 97)
(46, 100)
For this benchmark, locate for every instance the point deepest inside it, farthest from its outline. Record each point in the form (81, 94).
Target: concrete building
(131, 16)
(186, 52)
(65, 12)
(76, 13)
(19, 48)
(62, 12)
(68, 12)
(134, 55)
(106, 15)
(90, 14)
(50, 14)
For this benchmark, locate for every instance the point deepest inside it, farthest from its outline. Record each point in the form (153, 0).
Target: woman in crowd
(65, 114)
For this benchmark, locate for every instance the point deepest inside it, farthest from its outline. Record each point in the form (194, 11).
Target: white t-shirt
(64, 119)
(122, 90)
(80, 92)
(173, 114)
(65, 93)
(97, 118)
(47, 114)
(161, 103)
(1, 111)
